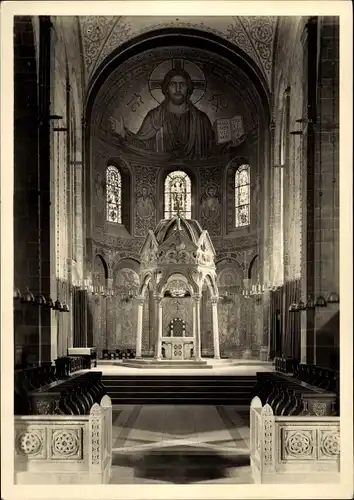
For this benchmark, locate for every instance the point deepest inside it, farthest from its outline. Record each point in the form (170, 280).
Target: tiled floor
(180, 444)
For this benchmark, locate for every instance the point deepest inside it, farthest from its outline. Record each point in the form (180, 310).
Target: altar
(178, 348)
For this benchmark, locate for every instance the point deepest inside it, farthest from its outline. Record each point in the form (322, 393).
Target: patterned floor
(180, 444)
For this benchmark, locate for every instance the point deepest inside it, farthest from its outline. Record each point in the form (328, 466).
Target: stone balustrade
(65, 449)
(293, 448)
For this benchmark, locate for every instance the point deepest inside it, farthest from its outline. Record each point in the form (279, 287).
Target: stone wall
(26, 201)
(326, 223)
(305, 207)
(48, 197)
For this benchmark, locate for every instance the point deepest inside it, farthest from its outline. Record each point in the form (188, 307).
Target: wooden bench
(65, 449)
(87, 354)
(293, 449)
(288, 395)
(74, 395)
(41, 389)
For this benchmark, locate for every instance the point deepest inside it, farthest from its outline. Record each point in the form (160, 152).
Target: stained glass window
(242, 196)
(114, 195)
(178, 196)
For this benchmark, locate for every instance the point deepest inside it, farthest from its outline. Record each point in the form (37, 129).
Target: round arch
(251, 266)
(188, 37)
(193, 174)
(127, 179)
(99, 261)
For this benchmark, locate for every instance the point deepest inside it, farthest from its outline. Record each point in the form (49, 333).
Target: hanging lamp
(40, 300)
(27, 297)
(293, 307)
(310, 303)
(301, 306)
(65, 307)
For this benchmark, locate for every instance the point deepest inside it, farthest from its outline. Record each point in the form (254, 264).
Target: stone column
(248, 324)
(214, 311)
(194, 323)
(158, 344)
(139, 328)
(197, 338)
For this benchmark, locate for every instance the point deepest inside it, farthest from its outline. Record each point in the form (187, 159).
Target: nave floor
(164, 444)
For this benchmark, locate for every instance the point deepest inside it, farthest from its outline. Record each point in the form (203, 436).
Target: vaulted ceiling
(101, 35)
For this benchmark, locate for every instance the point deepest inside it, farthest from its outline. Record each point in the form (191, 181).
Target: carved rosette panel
(145, 203)
(41, 407)
(298, 444)
(30, 443)
(319, 408)
(329, 444)
(267, 436)
(210, 203)
(95, 429)
(66, 444)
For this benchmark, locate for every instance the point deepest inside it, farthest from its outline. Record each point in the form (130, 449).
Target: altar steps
(180, 389)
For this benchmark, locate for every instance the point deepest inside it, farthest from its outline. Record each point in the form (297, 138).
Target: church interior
(176, 250)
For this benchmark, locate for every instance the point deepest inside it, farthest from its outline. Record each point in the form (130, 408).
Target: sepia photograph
(175, 232)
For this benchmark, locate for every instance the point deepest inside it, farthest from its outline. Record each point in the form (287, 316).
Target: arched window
(242, 196)
(178, 195)
(114, 195)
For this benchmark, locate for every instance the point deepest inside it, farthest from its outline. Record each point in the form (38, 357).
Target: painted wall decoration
(253, 34)
(210, 206)
(144, 102)
(229, 278)
(145, 206)
(122, 310)
(145, 210)
(211, 209)
(176, 126)
(240, 320)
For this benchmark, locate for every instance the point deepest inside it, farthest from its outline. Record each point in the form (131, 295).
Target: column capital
(214, 300)
(158, 298)
(140, 300)
(196, 297)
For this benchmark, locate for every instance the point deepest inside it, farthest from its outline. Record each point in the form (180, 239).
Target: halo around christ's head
(194, 71)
